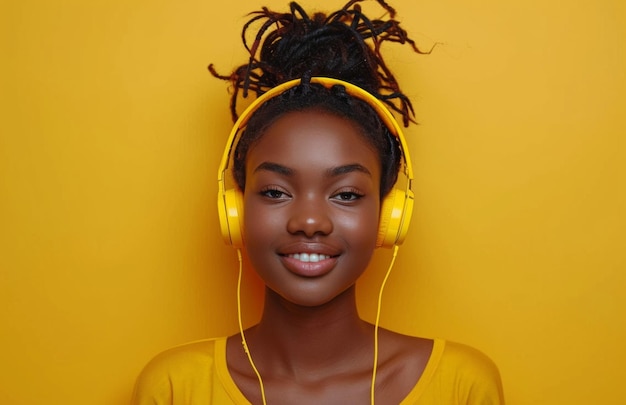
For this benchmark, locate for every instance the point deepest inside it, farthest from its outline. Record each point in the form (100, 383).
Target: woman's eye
(273, 193)
(347, 196)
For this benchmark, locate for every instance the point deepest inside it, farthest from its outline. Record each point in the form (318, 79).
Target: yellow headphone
(396, 208)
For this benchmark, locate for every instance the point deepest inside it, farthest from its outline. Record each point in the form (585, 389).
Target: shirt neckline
(237, 396)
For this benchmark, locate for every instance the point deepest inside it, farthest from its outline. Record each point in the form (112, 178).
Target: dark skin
(313, 187)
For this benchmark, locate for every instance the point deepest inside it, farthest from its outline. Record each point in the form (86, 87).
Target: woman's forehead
(313, 138)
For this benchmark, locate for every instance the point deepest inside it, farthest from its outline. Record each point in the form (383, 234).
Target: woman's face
(311, 206)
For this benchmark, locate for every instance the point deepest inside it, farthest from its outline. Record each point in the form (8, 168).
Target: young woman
(315, 161)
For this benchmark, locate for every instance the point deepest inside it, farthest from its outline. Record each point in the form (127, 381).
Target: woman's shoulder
(447, 370)
(440, 355)
(466, 371)
(187, 354)
(463, 359)
(183, 363)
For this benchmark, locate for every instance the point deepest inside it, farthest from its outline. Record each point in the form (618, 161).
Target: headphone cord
(243, 336)
(378, 308)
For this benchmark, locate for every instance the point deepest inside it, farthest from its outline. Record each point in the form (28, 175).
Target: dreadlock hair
(344, 45)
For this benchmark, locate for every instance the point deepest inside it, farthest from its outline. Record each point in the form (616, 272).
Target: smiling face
(311, 206)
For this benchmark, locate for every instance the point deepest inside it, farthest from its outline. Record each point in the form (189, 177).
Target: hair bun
(345, 45)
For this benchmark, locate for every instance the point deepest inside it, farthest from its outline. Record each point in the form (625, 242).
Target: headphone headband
(383, 112)
(402, 202)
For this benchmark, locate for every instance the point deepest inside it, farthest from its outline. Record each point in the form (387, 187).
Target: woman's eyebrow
(340, 170)
(276, 168)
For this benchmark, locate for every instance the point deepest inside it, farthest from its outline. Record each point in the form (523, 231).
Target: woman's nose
(310, 217)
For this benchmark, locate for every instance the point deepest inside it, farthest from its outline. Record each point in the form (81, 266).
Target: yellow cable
(243, 337)
(380, 301)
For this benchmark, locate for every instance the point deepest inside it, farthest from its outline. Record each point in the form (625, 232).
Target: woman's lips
(309, 264)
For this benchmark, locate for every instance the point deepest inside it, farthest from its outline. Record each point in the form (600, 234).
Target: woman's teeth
(309, 257)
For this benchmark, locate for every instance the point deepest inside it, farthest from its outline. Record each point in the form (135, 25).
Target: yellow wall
(109, 138)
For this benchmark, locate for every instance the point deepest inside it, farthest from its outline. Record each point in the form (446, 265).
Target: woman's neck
(311, 342)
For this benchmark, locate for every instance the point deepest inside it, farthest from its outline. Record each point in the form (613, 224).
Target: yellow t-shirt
(196, 374)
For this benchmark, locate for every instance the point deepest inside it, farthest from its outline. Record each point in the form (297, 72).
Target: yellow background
(112, 128)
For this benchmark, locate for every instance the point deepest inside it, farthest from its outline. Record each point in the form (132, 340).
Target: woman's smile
(309, 259)
(301, 265)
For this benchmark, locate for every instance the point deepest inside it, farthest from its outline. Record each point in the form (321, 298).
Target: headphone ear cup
(395, 216)
(230, 210)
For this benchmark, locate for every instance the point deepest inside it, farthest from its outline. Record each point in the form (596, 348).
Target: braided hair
(345, 45)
